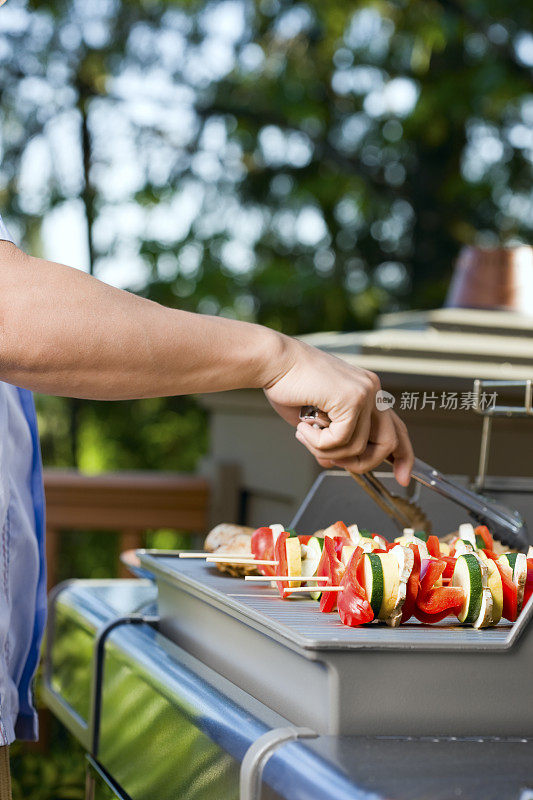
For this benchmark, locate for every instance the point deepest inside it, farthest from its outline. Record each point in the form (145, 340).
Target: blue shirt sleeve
(4, 233)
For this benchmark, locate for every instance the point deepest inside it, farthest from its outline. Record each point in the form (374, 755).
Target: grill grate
(299, 622)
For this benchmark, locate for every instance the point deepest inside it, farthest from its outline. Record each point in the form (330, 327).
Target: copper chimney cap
(493, 278)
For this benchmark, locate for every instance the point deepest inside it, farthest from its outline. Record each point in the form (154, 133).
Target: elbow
(13, 314)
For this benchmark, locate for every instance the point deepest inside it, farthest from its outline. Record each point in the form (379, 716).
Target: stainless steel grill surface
(299, 624)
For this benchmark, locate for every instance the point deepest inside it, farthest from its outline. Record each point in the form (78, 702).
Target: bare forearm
(62, 332)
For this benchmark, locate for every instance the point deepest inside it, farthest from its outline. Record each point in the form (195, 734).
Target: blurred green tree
(303, 164)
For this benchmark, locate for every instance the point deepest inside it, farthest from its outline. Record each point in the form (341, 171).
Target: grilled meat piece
(234, 539)
(238, 544)
(221, 534)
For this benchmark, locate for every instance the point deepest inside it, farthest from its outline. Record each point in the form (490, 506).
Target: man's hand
(359, 436)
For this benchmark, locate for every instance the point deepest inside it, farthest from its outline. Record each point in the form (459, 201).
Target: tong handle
(506, 525)
(382, 497)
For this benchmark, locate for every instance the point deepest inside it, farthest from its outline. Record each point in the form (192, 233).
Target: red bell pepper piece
(332, 568)
(485, 534)
(263, 549)
(434, 570)
(341, 536)
(353, 605)
(450, 566)
(280, 555)
(434, 603)
(441, 598)
(528, 589)
(431, 619)
(413, 585)
(433, 546)
(510, 595)
(340, 529)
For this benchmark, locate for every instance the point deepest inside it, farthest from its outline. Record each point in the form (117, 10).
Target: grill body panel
(413, 680)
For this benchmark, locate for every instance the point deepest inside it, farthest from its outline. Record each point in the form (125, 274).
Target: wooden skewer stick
(194, 555)
(314, 589)
(242, 560)
(283, 578)
(190, 554)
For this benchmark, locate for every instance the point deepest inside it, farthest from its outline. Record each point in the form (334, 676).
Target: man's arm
(63, 332)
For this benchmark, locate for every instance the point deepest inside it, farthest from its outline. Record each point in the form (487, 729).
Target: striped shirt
(22, 559)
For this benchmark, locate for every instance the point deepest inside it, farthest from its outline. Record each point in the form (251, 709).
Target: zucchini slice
(311, 561)
(463, 546)
(374, 581)
(406, 559)
(391, 583)
(365, 537)
(294, 560)
(484, 618)
(468, 574)
(313, 554)
(496, 588)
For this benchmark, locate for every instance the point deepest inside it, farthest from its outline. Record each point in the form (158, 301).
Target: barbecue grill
(193, 684)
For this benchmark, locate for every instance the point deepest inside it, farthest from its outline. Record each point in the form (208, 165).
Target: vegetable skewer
(366, 578)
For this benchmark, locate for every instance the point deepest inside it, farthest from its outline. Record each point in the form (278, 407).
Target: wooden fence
(128, 503)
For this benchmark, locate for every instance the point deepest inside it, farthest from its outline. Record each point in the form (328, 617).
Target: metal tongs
(505, 525)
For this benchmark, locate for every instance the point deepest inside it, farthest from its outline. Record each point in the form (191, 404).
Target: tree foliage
(302, 164)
